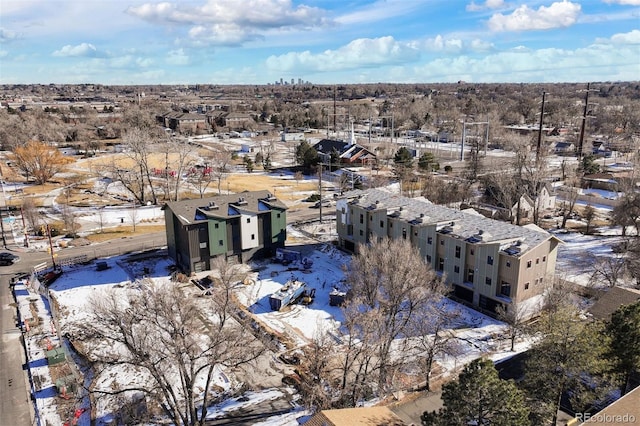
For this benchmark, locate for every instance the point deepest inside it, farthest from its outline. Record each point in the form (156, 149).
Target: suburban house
(347, 152)
(184, 122)
(240, 227)
(564, 148)
(487, 263)
(545, 199)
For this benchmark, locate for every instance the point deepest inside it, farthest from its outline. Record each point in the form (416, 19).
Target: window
(415, 233)
(391, 225)
(537, 260)
(278, 215)
(471, 252)
(216, 226)
(456, 269)
(508, 264)
(361, 233)
(429, 258)
(487, 281)
(441, 242)
(382, 224)
(370, 218)
(404, 233)
(458, 252)
(361, 218)
(489, 260)
(470, 275)
(253, 236)
(429, 240)
(528, 264)
(220, 242)
(505, 289)
(440, 264)
(248, 220)
(526, 285)
(544, 258)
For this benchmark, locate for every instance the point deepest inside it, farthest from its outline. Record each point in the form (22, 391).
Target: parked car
(7, 258)
(325, 203)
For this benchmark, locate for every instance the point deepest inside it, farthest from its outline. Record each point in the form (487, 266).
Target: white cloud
(488, 4)
(178, 57)
(624, 2)
(632, 37)
(7, 35)
(559, 14)
(381, 10)
(3, 53)
(522, 64)
(359, 53)
(231, 21)
(82, 49)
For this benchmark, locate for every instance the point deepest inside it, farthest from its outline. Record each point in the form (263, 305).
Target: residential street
(15, 405)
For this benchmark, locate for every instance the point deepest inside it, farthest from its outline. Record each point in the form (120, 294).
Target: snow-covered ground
(477, 334)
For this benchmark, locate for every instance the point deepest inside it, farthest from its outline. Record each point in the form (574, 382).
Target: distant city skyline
(318, 41)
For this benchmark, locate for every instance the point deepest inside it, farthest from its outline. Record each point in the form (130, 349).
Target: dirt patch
(124, 231)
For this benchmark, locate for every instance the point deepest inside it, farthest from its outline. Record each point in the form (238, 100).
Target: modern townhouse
(486, 263)
(240, 227)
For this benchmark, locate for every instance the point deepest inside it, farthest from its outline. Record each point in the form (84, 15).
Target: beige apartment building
(486, 262)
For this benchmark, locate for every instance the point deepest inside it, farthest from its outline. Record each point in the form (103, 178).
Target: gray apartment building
(486, 262)
(240, 227)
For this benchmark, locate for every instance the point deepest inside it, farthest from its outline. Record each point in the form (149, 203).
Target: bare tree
(572, 190)
(515, 315)
(589, 214)
(220, 164)
(39, 161)
(138, 148)
(178, 158)
(30, 213)
(168, 341)
(390, 284)
(607, 269)
(433, 338)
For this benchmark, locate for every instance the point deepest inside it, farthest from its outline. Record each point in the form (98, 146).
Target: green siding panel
(216, 235)
(278, 226)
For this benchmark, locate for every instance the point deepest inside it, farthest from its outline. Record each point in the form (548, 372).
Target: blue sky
(321, 41)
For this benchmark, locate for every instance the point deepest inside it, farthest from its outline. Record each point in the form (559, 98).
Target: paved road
(15, 404)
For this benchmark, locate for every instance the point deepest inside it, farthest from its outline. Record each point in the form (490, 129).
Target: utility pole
(53, 258)
(539, 146)
(320, 188)
(584, 120)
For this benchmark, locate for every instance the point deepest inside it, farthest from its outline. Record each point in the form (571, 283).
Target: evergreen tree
(403, 158)
(568, 360)
(480, 397)
(306, 156)
(427, 162)
(624, 346)
(589, 165)
(248, 163)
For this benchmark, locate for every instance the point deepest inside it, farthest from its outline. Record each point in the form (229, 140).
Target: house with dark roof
(611, 300)
(487, 263)
(347, 152)
(183, 122)
(239, 227)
